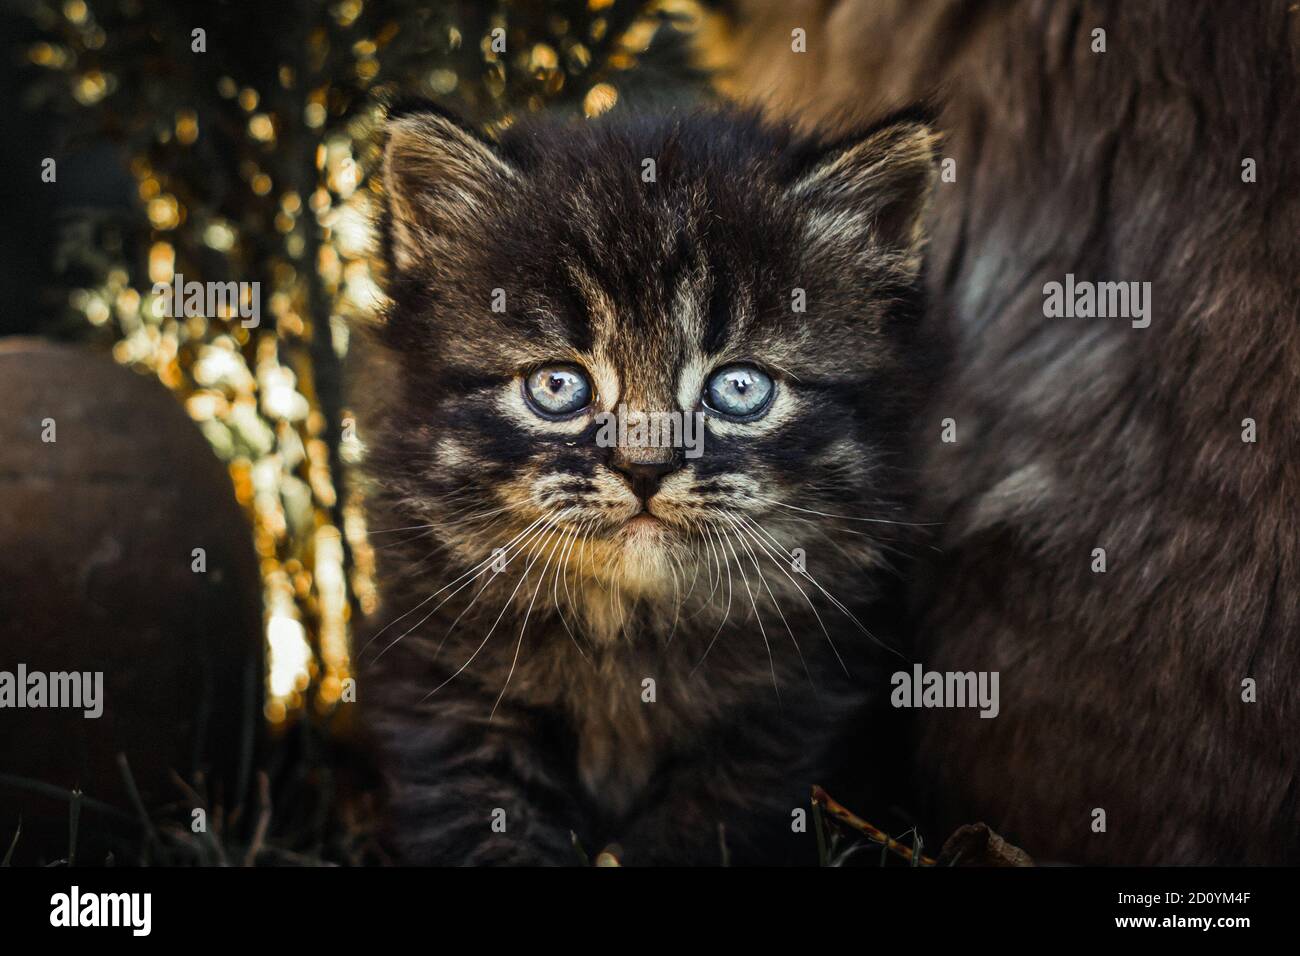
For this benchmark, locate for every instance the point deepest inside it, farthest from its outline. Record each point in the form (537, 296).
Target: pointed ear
(877, 182)
(440, 181)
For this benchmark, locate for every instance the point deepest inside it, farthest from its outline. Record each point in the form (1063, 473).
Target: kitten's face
(751, 307)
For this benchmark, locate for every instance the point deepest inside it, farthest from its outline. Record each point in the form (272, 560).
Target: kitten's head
(760, 288)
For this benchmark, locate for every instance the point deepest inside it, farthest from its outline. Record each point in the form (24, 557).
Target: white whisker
(741, 533)
(541, 579)
(771, 663)
(550, 522)
(472, 571)
(727, 614)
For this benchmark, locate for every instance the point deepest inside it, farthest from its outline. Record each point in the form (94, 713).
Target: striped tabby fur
(519, 697)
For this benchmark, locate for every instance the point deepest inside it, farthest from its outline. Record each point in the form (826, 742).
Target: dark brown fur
(1122, 690)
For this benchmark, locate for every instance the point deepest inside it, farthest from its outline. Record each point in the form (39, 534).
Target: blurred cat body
(626, 643)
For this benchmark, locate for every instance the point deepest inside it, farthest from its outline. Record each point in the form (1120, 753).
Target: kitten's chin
(635, 558)
(642, 528)
(644, 566)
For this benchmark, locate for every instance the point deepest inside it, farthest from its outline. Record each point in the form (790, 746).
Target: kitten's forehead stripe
(688, 304)
(646, 338)
(596, 307)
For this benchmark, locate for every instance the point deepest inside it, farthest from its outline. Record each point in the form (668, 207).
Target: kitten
(637, 644)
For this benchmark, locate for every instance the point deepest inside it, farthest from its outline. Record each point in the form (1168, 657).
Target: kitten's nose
(643, 476)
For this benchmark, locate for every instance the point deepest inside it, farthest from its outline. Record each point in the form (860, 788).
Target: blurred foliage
(249, 147)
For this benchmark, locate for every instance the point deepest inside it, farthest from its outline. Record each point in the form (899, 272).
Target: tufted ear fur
(441, 182)
(878, 181)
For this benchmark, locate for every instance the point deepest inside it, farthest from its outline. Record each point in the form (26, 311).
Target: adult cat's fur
(514, 706)
(1120, 690)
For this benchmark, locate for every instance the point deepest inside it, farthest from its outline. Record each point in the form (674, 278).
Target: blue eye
(558, 389)
(738, 391)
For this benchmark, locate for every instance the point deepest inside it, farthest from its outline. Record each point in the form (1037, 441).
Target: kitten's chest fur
(643, 710)
(621, 736)
(641, 704)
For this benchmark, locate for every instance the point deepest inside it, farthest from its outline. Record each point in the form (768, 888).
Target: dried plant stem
(827, 804)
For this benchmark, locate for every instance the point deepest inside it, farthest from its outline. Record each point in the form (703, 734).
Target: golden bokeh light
(299, 143)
